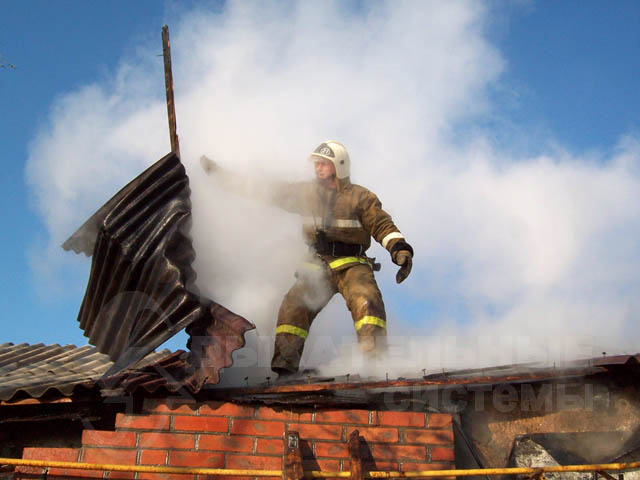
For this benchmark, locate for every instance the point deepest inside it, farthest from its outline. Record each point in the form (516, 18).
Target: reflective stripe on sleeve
(345, 260)
(293, 330)
(337, 222)
(370, 320)
(389, 237)
(342, 223)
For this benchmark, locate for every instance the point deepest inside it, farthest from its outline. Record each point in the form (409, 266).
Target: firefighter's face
(325, 169)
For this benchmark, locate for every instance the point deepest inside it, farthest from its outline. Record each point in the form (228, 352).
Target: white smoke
(519, 257)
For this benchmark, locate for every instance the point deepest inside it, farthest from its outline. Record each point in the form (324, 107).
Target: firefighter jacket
(350, 214)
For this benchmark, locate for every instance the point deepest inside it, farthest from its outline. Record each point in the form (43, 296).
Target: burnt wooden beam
(168, 83)
(355, 456)
(331, 387)
(292, 457)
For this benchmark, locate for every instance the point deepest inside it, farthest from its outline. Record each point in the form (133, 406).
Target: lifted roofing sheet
(140, 291)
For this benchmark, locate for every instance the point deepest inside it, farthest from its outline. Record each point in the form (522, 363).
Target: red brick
(226, 409)
(320, 432)
(254, 462)
(360, 417)
(323, 465)
(270, 446)
(339, 450)
(153, 457)
(418, 466)
(56, 454)
(376, 434)
(226, 477)
(401, 419)
(109, 455)
(167, 440)
(143, 422)
(201, 424)
(226, 443)
(29, 472)
(399, 452)
(56, 473)
(109, 439)
(268, 413)
(439, 420)
(165, 476)
(196, 459)
(120, 474)
(372, 466)
(302, 416)
(261, 428)
(442, 454)
(168, 405)
(432, 437)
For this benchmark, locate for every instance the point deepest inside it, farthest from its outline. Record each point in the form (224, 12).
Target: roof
(34, 370)
(352, 389)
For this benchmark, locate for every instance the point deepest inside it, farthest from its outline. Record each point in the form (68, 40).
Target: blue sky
(56, 47)
(567, 80)
(572, 69)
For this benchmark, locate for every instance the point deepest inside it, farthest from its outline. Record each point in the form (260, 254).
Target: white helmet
(336, 153)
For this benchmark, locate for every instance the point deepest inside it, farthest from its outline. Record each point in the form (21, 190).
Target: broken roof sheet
(140, 290)
(38, 369)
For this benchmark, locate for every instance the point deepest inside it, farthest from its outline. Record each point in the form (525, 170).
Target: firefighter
(339, 219)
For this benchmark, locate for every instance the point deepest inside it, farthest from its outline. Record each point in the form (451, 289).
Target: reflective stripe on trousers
(311, 294)
(293, 330)
(370, 320)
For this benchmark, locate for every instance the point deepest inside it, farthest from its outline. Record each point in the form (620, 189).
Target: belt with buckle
(340, 249)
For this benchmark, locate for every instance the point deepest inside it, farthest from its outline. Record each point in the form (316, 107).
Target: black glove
(402, 254)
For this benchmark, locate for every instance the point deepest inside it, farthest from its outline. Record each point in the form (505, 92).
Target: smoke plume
(519, 256)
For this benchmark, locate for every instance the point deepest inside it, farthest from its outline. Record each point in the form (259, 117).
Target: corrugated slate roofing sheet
(140, 290)
(37, 369)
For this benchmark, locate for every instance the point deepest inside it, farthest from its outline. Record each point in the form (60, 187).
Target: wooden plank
(355, 456)
(168, 83)
(292, 457)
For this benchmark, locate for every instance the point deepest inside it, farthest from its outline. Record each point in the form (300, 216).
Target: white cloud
(527, 245)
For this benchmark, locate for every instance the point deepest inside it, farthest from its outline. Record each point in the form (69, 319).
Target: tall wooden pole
(168, 83)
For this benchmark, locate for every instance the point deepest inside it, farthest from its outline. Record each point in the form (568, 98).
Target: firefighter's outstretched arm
(286, 195)
(232, 181)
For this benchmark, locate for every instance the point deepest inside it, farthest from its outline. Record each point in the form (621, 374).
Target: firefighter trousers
(310, 294)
